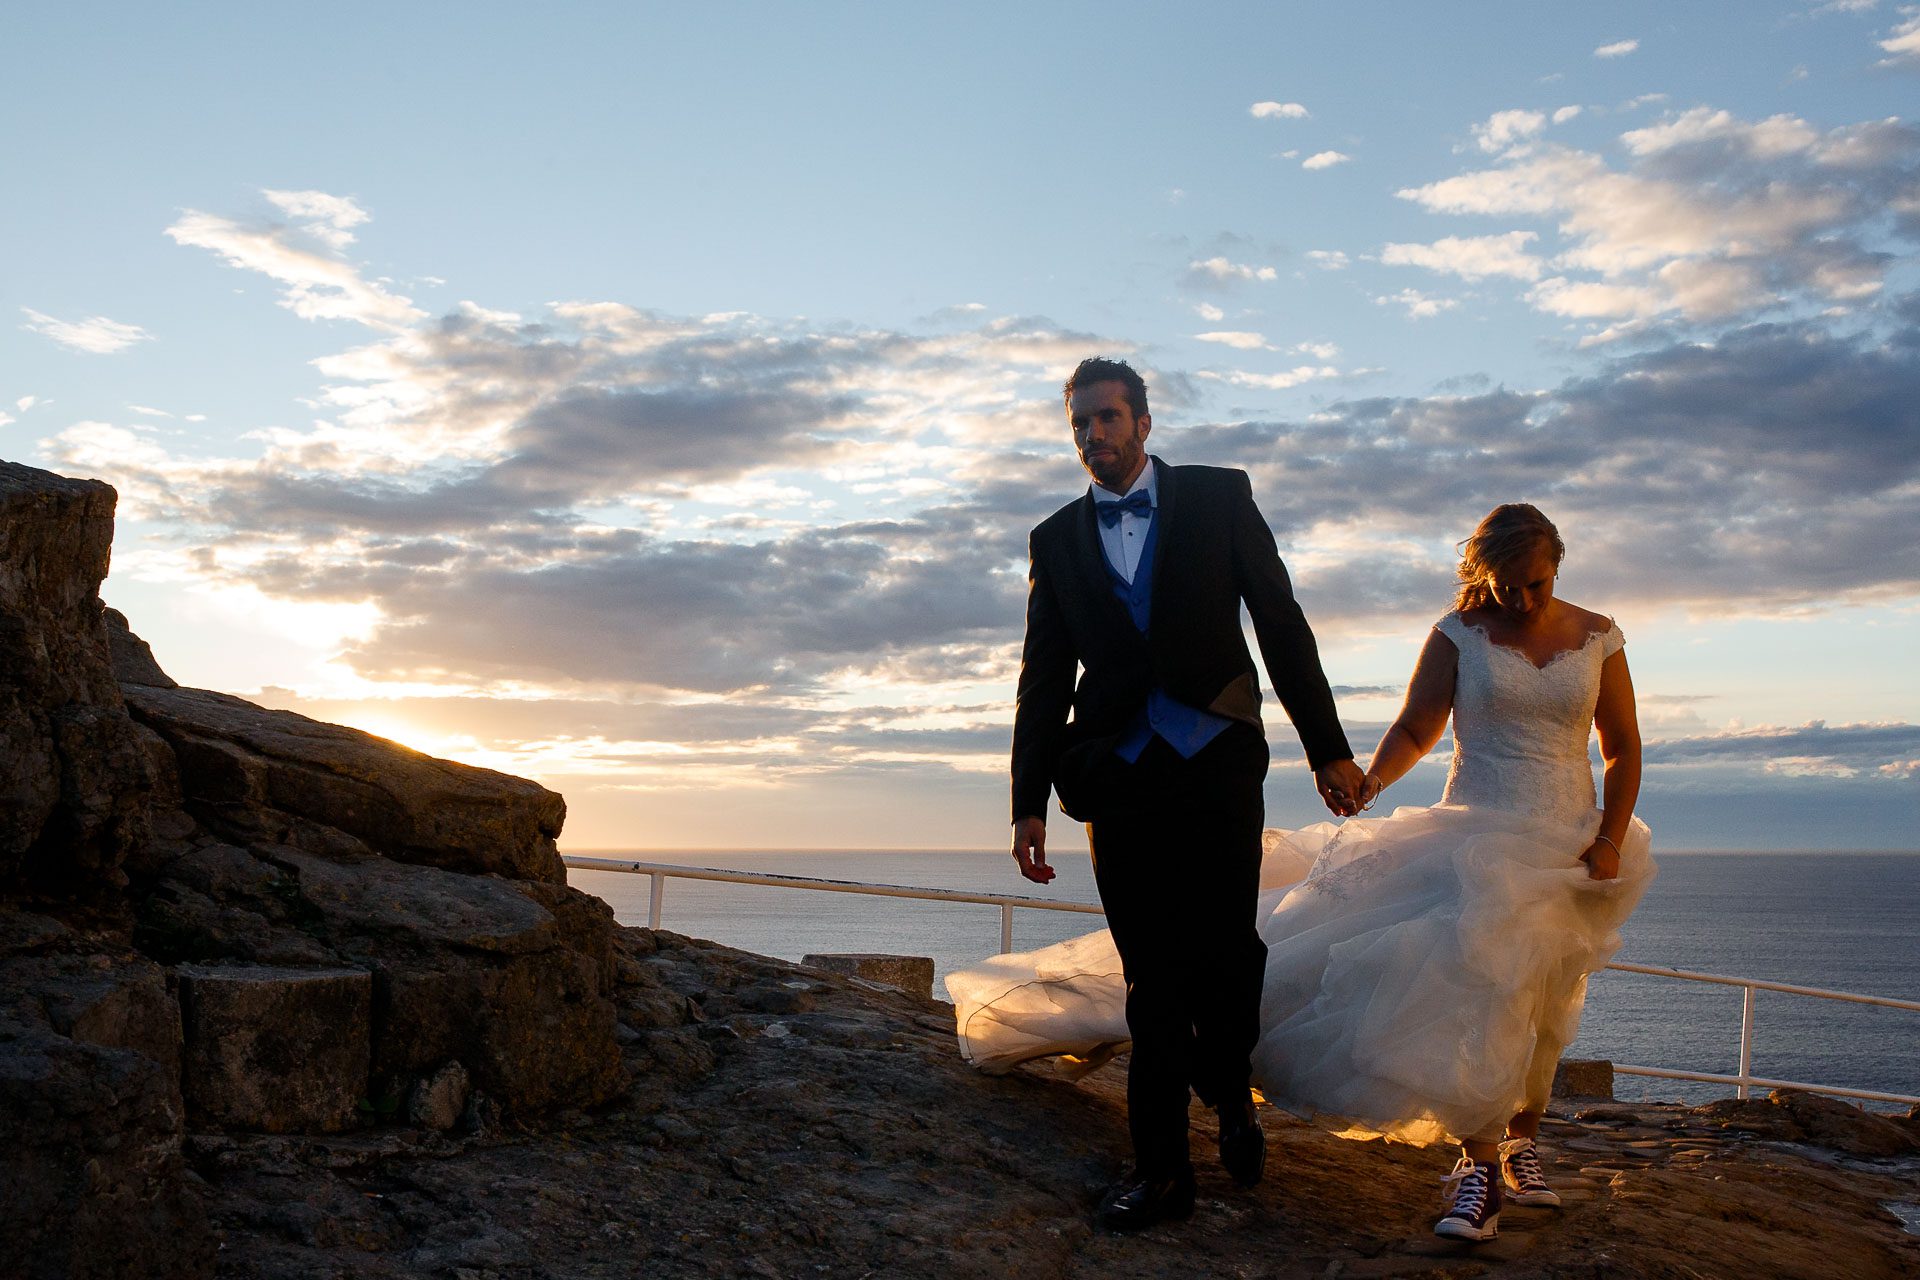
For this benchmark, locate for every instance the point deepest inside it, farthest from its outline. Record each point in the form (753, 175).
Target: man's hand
(1030, 848)
(1340, 783)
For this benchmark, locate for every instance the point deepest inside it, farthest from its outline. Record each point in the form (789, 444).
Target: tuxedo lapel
(1091, 563)
(1167, 503)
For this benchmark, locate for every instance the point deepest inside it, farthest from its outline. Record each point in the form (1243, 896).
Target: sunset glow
(675, 440)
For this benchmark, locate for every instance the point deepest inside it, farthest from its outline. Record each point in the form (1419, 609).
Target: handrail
(1744, 1081)
(1763, 984)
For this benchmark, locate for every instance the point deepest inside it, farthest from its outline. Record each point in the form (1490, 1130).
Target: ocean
(1840, 921)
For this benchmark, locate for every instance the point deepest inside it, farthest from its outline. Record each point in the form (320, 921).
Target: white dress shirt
(1123, 541)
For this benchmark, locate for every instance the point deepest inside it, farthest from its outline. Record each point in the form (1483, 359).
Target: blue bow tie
(1139, 503)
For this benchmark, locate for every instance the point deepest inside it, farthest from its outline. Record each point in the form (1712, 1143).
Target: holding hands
(1343, 787)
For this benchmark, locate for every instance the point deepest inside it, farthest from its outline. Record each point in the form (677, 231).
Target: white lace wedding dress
(1425, 975)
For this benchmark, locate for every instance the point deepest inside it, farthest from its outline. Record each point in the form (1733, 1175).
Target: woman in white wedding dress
(1425, 975)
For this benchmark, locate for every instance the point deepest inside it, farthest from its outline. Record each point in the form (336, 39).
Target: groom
(1138, 584)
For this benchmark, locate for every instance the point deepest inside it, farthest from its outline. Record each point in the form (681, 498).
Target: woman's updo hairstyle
(1510, 533)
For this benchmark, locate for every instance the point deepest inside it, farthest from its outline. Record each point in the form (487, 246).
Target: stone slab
(912, 974)
(275, 1050)
(1583, 1078)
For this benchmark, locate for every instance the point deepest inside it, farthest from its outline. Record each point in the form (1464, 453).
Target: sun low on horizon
(674, 439)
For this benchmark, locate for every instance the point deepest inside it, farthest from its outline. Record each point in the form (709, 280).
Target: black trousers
(1176, 856)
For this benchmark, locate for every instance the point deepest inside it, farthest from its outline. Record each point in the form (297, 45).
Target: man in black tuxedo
(1139, 583)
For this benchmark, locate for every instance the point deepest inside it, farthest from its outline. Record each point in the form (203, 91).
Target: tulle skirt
(1425, 970)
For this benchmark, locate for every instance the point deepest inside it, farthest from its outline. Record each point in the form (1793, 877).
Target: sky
(654, 400)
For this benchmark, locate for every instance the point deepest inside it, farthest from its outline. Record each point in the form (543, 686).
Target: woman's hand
(1603, 860)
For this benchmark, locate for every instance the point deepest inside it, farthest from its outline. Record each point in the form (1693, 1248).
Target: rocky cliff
(216, 918)
(281, 1000)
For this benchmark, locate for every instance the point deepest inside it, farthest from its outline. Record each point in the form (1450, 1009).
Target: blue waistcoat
(1186, 729)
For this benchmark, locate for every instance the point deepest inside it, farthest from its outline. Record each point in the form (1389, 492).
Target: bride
(1424, 977)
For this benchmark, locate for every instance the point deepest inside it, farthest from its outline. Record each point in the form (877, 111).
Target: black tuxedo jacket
(1212, 551)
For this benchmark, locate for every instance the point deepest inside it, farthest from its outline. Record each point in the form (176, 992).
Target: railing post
(653, 908)
(1006, 927)
(1746, 1040)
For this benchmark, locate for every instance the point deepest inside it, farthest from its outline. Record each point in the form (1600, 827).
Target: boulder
(244, 770)
(246, 917)
(93, 1185)
(275, 1050)
(74, 783)
(1829, 1122)
(439, 1101)
(114, 1002)
(1583, 1078)
(132, 657)
(908, 973)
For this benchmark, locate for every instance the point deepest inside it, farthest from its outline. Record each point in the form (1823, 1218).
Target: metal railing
(1744, 1081)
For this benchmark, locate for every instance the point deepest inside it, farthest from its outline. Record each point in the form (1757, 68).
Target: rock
(93, 1185)
(244, 770)
(1756, 1116)
(346, 918)
(1843, 1127)
(534, 1031)
(74, 786)
(275, 1050)
(909, 973)
(440, 1100)
(1583, 1078)
(116, 1003)
(859, 1144)
(132, 657)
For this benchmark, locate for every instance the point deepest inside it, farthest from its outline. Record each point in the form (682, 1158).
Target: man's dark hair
(1101, 369)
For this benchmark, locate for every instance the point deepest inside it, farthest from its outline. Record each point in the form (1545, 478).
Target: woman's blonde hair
(1509, 534)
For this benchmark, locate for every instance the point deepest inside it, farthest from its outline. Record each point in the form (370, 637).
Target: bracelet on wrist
(1610, 843)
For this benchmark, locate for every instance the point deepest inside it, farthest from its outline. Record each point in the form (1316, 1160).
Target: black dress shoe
(1142, 1201)
(1243, 1147)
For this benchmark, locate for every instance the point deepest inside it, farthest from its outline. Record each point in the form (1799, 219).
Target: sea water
(1839, 921)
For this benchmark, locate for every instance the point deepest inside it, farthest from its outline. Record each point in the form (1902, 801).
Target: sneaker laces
(1464, 1191)
(1523, 1158)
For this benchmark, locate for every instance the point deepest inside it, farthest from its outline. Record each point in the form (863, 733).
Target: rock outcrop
(73, 776)
(221, 919)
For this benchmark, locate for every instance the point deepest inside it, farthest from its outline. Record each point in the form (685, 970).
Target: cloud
(1271, 381)
(304, 255)
(626, 508)
(1889, 750)
(328, 217)
(95, 334)
(1618, 49)
(1472, 258)
(25, 403)
(1770, 470)
(1325, 160)
(1207, 311)
(1419, 306)
(1221, 270)
(1328, 259)
(1903, 45)
(1277, 111)
(1505, 128)
(1565, 114)
(1239, 340)
(1713, 217)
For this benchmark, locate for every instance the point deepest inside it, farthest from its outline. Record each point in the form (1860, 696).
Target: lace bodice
(1520, 732)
